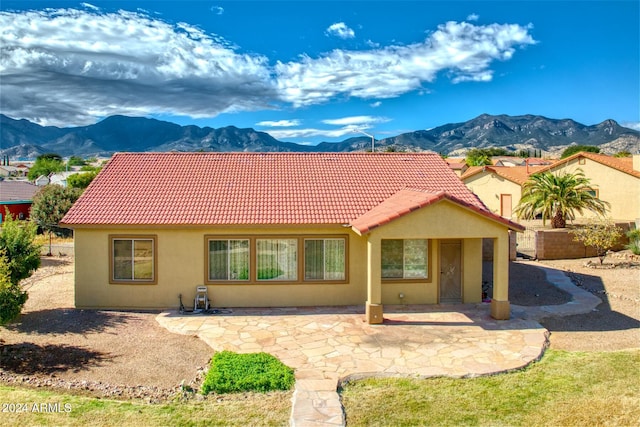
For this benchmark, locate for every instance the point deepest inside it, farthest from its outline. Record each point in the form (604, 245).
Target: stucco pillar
(373, 309)
(500, 307)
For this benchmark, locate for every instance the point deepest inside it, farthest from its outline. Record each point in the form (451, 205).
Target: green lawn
(563, 389)
(244, 409)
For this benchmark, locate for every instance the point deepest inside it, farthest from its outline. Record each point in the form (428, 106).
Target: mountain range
(22, 139)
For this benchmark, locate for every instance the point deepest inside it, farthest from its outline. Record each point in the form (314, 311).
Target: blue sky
(311, 71)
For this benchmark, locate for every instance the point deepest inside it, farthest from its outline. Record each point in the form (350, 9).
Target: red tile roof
(516, 174)
(622, 164)
(12, 191)
(256, 188)
(408, 200)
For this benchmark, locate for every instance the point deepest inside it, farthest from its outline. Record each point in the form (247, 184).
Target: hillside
(23, 139)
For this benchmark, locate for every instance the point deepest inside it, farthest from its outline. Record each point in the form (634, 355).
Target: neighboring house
(60, 178)
(284, 229)
(11, 171)
(42, 180)
(511, 161)
(17, 198)
(457, 164)
(615, 180)
(499, 187)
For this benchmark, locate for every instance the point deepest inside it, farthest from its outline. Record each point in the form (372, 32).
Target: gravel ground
(128, 355)
(108, 353)
(615, 323)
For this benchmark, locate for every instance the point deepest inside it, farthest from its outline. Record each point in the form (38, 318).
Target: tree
(12, 298)
(17, 242)
(81, 180)
(558, 197)
(477, 157)
(51, 204)
(76, 161)
(45, 165)
(601, 235)
(623, 153)
(570, 151)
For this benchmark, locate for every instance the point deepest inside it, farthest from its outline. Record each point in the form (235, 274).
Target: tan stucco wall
(489, 186)
(618, 188)
(442, 221)
(181, 265)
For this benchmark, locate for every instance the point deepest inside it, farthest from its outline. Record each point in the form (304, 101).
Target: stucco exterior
(620, 189)
(491, 188)
(181, 264)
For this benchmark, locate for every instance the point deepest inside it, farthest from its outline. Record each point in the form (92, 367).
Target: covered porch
(449, 235)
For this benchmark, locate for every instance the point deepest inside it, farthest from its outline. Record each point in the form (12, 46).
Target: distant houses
(615, 180)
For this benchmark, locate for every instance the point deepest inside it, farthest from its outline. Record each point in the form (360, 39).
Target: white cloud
(632, 125)
(464, 50)
(311, 132)
(89, 6)
(473, 17)
(356, 120)
(340, 29)
(218, 10)
(279, 123)
(375, 104)
(74, 66)
(55, 64)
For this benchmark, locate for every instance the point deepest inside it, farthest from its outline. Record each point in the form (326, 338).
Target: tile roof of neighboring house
(257, 188)
(13, 191)
(517, 174)
(623, 164)
(408, 200)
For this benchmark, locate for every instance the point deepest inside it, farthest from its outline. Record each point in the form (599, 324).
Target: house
(457, 164)
(42, 180)
(16, 197)
(615, 180)
(60, 178)
(499, 187)
(284, 229)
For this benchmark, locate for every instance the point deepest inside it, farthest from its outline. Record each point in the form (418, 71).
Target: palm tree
(558, 197)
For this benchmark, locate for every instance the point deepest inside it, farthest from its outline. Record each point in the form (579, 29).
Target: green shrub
(232, 372)
(634, 241)
(12, 297)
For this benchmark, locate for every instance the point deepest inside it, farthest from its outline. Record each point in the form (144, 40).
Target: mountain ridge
(24, 139)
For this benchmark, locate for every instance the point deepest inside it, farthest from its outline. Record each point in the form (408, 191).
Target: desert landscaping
(127, 355)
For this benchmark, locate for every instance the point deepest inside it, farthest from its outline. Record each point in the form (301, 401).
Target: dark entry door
(451, 272)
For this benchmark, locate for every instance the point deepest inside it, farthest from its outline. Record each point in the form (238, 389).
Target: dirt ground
(127, 354)
(107, 352)
(615, 323)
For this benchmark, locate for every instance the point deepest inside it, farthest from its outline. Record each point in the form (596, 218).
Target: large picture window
(133, 259)
(405, 259)
(229, 259)
(272, 259)
(324, 259)
(277, 259)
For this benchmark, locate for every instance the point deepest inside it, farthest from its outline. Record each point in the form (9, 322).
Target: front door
(451, 272)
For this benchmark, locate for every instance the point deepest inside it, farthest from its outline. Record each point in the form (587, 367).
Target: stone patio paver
(326, 345)
(329, 345)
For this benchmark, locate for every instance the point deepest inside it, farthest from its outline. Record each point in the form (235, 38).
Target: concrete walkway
(327, 345)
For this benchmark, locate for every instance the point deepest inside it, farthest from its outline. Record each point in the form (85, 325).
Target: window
(133, 259)
(405, 259)
(277, 259)
(229, 259)
(324, 259)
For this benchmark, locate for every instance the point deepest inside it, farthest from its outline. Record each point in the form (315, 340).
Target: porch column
(373, 309)
(500, 307)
